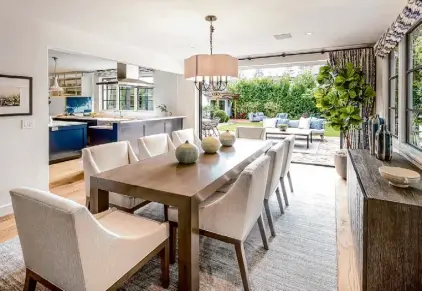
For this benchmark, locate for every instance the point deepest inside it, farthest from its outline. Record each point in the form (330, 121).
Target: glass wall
(414, 90)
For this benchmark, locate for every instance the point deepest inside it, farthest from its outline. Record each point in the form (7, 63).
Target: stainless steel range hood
(127, 76)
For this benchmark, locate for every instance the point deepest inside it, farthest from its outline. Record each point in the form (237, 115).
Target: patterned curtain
(363, 58)
(391, 38)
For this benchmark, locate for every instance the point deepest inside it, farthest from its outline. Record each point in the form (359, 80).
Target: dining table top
(165, 174)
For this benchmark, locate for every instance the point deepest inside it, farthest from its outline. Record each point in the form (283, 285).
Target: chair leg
(262, 231)
(173, 242)
(166, 212)
(269, 217)
(30, 283)
(290, 181)
(280, 202)
(241, 259)
(165, 265)
(283, 188)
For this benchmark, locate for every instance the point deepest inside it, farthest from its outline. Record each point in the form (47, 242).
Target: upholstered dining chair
(250, 132)
(105, 157)
(285, 172)
(181, 136)
(66, 248)
(154, 145)
(229, 216)
(276, 154)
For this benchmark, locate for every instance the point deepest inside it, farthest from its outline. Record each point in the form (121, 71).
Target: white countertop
(111, 119)
(57, 123)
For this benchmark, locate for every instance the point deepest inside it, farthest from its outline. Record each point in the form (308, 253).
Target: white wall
(188, 102)
(165, 90)
(24, 51)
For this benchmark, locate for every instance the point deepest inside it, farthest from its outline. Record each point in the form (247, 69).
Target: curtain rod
(323, 51)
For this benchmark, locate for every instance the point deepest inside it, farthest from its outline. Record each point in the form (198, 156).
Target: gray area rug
(323, 155)
(301, 257)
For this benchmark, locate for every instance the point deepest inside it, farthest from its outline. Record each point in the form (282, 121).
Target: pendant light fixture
(56, 90)
(213, 70)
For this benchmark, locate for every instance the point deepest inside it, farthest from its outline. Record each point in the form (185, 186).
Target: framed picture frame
(15, 95)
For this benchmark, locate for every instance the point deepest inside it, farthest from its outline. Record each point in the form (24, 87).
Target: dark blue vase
(373, 126)
(383, 144)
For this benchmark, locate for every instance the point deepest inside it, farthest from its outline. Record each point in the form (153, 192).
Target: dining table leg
(98, 200)
(188, 226)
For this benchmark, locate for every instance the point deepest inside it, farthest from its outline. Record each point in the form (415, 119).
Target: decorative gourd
(187, 153)
(227, 138)
(210, 145)
(383, 144)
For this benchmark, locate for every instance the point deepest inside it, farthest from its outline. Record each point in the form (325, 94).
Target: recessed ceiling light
(308, 33)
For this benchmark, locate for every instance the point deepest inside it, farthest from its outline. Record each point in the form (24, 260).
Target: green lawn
(329, 131)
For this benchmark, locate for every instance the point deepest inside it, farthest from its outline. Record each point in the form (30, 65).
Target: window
(393, 92)
(109, 97)
(414, 91)
(145, 99)
(127, 98)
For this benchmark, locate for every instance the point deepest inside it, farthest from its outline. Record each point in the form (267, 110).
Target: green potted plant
(282, 127)
(340, 94)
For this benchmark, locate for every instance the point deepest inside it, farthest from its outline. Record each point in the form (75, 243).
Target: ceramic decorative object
(210, 145)
(399, 177)
(340, 162)
(373, 125)
(383, 144)
(187, 153)
(227, 138)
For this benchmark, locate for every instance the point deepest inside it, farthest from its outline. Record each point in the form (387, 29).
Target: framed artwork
(15, 95)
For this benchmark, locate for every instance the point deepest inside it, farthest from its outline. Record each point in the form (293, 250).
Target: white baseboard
(6, 209)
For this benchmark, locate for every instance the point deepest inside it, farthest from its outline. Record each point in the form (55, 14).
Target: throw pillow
(294, 123)
(317, 123)
(270, 122)
(304, 123)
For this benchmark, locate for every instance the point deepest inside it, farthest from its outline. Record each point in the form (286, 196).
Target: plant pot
(340, 162)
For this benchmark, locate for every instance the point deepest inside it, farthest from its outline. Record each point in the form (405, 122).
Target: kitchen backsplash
(78, 104)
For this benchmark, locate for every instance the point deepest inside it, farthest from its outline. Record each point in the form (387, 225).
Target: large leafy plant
(340, 94)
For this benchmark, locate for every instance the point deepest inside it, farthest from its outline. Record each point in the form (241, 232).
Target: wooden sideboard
(386, 225)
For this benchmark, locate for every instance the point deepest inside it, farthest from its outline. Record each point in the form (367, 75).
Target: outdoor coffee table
(290, 131)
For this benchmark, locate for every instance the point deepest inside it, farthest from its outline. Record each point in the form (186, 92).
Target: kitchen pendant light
(56, 90)
(213, 71)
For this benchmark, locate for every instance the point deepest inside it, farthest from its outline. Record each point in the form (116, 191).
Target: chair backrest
(181, 136)
(48, 236)
(105, 157)
(276, 154)
(250, 132)
(62, 242)
(154, 145)
(290, 144)
(252, 181)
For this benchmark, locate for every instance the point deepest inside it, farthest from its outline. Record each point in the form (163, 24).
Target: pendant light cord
(211, 32)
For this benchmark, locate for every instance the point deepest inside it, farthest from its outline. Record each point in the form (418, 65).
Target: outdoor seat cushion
(317, 123)
(318, 131)
(294, 123)
(270, 123)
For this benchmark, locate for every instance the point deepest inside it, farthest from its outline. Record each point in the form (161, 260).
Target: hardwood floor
(66, 180)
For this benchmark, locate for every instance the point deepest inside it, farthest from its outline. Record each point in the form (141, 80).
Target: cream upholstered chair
(66, 248)
(181, 136)
(250, 132)
(105, 157)
(285, 172)
(154, 145)
(276, 154)
(229, 216)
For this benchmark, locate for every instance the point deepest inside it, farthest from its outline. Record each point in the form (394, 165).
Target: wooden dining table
(162, 179)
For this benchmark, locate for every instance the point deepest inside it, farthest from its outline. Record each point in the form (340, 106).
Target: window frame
(409, 84)
(394, 78)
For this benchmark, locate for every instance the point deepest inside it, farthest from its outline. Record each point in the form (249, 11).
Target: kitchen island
(104, 130)
(66, 140)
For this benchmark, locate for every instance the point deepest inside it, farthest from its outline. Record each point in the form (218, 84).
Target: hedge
(292, 95)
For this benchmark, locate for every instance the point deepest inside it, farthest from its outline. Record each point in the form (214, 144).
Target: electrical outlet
(28, 124)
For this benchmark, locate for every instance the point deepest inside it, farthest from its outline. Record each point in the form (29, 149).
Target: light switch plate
(28, 124)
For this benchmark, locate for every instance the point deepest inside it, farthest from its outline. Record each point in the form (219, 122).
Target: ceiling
(243, 28)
